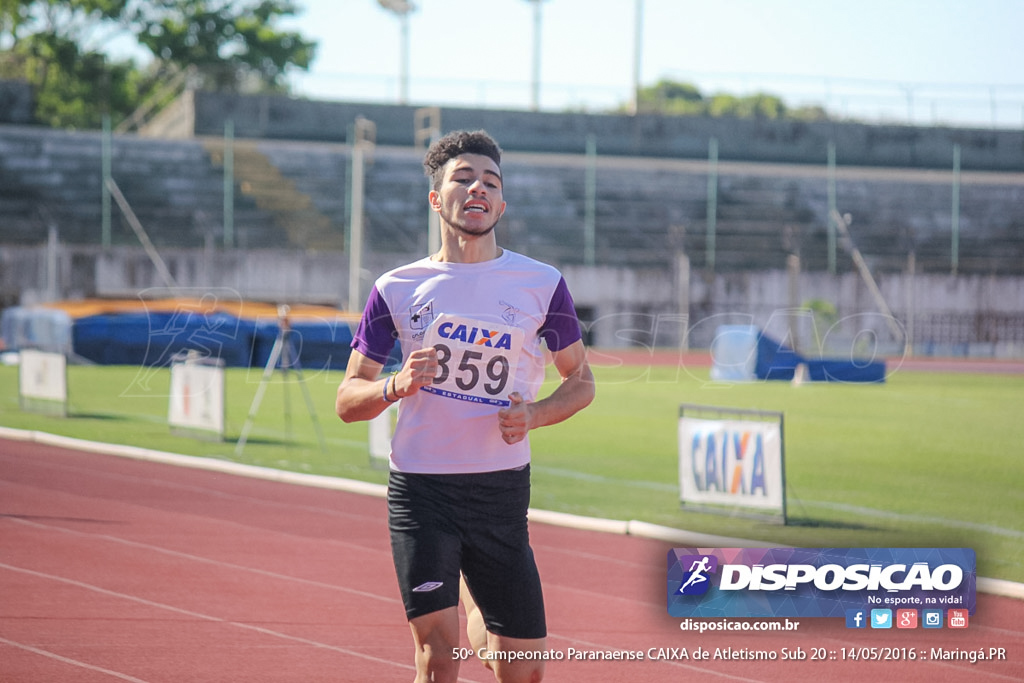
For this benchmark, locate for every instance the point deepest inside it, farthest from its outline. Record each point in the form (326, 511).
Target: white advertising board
(732, 459)
(381, 429)
(197, 397)
(42, 381)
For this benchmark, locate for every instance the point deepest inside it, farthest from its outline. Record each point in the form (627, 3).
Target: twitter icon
(881, 618)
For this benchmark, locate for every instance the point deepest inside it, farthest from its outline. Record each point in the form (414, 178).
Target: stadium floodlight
(535, 82)
(402, 9)
(638, 50)
(397, 6)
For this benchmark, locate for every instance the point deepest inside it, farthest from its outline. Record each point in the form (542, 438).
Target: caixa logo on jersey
(471, 334)
(817, 582)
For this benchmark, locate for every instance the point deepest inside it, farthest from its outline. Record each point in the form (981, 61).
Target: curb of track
(679, 537)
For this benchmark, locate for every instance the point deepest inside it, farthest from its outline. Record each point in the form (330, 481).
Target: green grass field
(923, 460)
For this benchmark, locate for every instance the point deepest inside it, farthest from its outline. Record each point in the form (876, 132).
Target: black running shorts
(444, 524)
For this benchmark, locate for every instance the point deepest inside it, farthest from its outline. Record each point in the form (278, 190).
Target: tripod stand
(282, 352)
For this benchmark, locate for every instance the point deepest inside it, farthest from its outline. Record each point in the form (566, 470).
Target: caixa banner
(732, 461)
(817, 582)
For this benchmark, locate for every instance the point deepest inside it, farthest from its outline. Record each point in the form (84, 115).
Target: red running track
(114, 569)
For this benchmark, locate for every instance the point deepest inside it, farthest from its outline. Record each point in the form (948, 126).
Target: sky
(929, 62)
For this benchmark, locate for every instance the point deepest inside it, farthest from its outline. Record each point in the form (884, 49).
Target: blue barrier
(154, 338)
(775, 360)
(319, 345)
(745, 353)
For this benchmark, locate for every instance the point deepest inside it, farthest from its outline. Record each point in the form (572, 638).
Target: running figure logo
(696, 581)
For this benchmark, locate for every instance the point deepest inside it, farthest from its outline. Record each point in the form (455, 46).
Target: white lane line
(68, 660)
(203, 617)
(998, 587)
(927, 519)
(207, 560)
(212, 492)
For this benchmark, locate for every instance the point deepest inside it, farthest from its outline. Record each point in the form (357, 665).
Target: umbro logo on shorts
(428, 586)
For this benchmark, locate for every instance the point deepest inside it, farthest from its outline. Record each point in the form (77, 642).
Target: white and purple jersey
(486, 321)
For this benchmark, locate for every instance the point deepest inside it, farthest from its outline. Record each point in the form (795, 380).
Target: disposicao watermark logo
(697, 579)
(818, 582)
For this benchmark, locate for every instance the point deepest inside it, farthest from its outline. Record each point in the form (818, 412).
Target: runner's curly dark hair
(452, 145)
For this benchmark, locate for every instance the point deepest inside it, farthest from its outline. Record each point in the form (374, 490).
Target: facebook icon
(856, 618)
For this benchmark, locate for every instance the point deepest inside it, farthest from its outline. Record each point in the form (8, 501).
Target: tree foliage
(672, 98)
(233, 44)
(63, 49)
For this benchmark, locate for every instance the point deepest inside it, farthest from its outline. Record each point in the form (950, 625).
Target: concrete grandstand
(291, 180)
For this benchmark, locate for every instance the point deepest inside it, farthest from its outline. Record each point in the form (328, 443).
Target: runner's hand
(419, 371)
(514, 421)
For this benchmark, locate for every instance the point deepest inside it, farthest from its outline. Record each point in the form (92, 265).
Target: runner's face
(470, 199)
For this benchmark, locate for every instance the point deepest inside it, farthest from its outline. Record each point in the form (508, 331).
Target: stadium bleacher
(292, 194)
(764, 211)
(55, 176)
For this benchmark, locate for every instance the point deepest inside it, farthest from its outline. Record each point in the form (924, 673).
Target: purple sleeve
(561, 326)
(376, 334)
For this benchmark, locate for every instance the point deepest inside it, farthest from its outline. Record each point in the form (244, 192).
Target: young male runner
(471, 320)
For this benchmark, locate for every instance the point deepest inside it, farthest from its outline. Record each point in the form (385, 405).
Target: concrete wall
(17, 102)
(279, 117)
(621, 307)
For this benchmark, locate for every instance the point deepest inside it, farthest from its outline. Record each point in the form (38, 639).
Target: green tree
(759, 105)
(672, 98)
(61, 48)
(51, 44)
(809, 113)
(233, 45)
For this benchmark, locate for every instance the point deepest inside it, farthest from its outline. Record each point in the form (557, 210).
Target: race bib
(476, 360)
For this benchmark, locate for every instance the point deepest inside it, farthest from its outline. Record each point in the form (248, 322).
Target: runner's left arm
(573, 394)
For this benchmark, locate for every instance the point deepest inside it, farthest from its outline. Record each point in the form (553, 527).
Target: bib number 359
(476, 360)
(494, 371)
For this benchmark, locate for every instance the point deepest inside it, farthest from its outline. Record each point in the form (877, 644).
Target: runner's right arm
(362, 395)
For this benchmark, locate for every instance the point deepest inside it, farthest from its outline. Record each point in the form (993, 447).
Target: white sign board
(197, 397)
(732, 458)
(43, 380)
(382, 428)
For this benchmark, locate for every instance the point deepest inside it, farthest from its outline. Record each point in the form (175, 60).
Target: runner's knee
(519, 672)
(526, 667)
(436, 664)
(436, 636)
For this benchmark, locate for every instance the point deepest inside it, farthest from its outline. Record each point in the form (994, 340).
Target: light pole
(402, 9)
(535, 81)
(638, 49)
